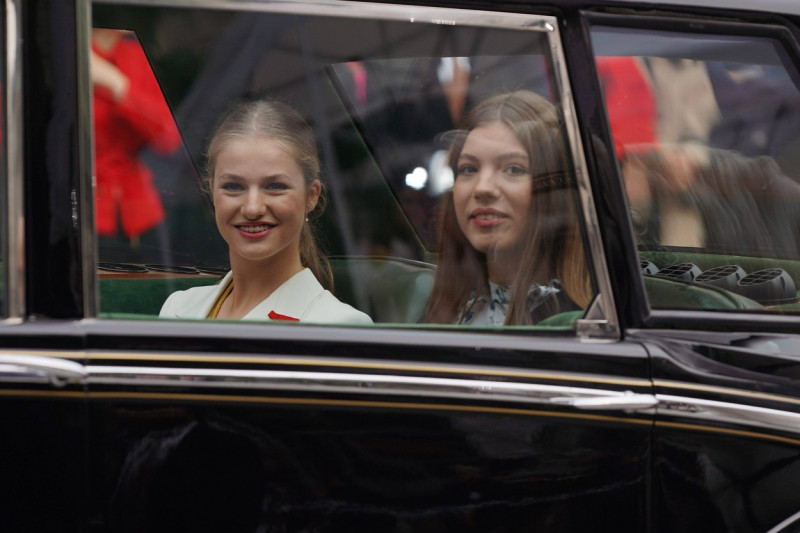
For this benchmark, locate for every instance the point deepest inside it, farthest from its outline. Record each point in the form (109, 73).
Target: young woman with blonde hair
(264, 181)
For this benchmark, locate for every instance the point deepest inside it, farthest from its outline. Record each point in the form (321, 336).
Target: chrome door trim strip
(58, 372)
(727, 413)
(328, 403)
(14, 238)
(378, 365)
(353, 365)
(347, 383)
(660, 383)
(705, 411)
(370, 365)
(792, 520)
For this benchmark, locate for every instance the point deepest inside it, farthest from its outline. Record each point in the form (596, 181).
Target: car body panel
(639, 419)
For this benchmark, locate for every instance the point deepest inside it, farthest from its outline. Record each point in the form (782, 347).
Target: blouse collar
(490, 307)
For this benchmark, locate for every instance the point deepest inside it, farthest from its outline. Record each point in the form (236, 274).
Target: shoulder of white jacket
(326, 308)
(184, 304)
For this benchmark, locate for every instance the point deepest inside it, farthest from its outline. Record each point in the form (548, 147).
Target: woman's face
(261, 200)
(492, 190)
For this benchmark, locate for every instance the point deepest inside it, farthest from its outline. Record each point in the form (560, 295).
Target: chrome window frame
(13, 242)
(82, 207)
(600, 321)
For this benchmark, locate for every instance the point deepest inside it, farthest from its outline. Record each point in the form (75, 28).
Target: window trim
(85, 207)
(13, 249)
(600, 320)
(695, 319)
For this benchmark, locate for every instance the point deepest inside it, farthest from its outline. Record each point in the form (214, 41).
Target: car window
(706, 132)
(387, 98)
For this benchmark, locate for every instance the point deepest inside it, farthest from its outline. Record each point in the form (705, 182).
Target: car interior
(382, 112)
(382, 117)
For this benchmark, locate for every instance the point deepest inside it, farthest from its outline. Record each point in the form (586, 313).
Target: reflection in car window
(706, 131)
(384, 98)
(129, 115)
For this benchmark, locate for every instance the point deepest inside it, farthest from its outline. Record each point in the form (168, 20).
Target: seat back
(388, 289)
(128, 297)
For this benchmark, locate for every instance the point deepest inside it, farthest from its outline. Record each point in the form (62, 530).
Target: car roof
(784, 7)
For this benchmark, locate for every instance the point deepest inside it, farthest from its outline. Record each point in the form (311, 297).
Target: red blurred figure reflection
(629, 99)
(130, 113)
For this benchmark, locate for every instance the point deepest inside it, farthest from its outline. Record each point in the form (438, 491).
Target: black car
(670, 401)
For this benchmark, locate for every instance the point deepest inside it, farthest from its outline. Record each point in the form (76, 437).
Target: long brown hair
(280, 123)
(553, 240)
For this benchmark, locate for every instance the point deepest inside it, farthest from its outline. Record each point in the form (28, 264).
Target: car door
(215, 425)
(707, 162)
(42, 396)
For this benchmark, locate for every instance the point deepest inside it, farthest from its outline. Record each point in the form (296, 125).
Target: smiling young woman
(492, 196)
(260, 204)
(263, 174)
(510, 249)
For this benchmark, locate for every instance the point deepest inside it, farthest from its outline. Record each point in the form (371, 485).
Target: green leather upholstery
(669, 294)
(665, 293)
(706, 261)
(136, 296)
(388, 289)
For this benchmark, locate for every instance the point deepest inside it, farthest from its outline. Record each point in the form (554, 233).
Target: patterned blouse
(482, 310)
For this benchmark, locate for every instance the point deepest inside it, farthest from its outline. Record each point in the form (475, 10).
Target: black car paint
(310, 464)
(362, 462)
(720, 478)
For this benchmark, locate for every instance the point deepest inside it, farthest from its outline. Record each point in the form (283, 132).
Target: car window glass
(707, 133)
(386, 100)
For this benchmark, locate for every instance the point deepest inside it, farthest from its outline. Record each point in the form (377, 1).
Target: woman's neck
(499, 275)
(502, 267)
(505, 269)
(253, 282)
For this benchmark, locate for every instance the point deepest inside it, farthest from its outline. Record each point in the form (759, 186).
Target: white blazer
(301, 297)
